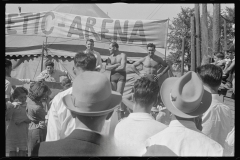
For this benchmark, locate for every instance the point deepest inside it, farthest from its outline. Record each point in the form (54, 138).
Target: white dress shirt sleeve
(53, 126)
(217, 124)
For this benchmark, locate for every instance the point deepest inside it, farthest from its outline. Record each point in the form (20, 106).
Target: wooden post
(225, 34)
(193, 57)
(216, 27)
(204, 26)
(198, 45)
(183, 52)
(42, 57)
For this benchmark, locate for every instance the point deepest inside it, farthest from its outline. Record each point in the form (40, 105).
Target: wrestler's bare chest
(115, 59)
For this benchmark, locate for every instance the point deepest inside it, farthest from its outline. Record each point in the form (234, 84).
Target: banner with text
(55, 24)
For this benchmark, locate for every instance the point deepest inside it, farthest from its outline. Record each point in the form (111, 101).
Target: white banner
(55, 24)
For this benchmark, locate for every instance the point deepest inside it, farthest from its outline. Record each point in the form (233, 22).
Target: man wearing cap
(131, 132)
(92, 99)
(90, 50)
(217, 121)
(60, 122)
(186, 98)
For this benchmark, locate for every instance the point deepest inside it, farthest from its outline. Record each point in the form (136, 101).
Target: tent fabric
(28, 49)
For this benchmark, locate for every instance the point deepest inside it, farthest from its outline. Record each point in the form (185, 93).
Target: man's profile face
(49, 69)
(151, 51)
(111, 49)
(90, 45)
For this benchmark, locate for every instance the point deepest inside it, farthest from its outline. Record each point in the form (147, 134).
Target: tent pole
(166, 41)
(42, 57)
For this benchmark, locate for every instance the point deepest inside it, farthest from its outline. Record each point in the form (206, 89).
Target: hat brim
(109, 105)
(165, 95)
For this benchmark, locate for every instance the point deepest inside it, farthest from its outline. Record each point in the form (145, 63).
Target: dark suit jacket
(78, 143)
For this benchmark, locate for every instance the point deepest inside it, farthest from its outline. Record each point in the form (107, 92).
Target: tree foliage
(180, 27)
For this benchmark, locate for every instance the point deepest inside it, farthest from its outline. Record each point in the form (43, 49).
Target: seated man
(89, 104)
(131, 133)
(219, 60)
(51, 74)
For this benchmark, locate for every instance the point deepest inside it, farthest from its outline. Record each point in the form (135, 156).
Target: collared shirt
(229, 143)
(131, 133)
(60, 120)
(184, 139)
(9, 82)
(53, 77)
(36, 113)
(217, 121)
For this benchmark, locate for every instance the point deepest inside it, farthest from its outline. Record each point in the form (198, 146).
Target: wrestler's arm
(229, 68)
(162, 62)
(122, 67)
(110, 67)
(135, 64)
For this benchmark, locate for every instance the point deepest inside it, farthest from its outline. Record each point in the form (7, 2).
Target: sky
(125, 10)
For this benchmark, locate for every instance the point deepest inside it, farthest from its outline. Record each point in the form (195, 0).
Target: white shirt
(99, 60)
(60, 121)
(184, 139)
(9, 82)
(217, 121)
(131, 133)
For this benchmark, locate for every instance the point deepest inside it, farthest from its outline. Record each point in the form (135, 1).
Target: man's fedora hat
(92, 95)
(186, 96)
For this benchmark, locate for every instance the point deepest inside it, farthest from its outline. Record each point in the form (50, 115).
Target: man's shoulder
(60, 95)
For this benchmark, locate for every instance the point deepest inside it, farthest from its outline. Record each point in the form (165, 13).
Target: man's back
(134, 130)
(217, 121)
(78, 143)
(183, 138)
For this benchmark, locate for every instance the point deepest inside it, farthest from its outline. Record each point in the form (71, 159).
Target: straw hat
(186, 96)
(92, 95)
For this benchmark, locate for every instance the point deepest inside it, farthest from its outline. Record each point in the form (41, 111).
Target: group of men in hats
(77, 116)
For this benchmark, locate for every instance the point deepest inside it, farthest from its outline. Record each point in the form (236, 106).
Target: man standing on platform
(116, 63)
(90, 49)
(152, 65)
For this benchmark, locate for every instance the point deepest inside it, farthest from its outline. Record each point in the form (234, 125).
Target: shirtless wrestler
(116, 63)
(151, 65)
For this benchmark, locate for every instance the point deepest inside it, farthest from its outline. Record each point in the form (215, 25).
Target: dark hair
(210, 75)
(114, 44)
(220, 55)
(151, 45)
(145, 91)
(66, 82)
(38, 90)
(18, 91)
(85, 61)
(90, 40)
(8, 63)
(49, 63)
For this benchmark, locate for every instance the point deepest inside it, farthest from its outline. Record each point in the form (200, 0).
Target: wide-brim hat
(186, 96)
(92, 95)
